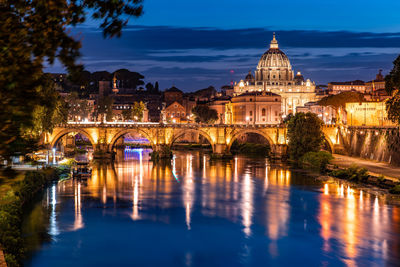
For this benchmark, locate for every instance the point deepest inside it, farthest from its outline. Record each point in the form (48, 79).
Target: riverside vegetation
(305, 141)
(13, 205)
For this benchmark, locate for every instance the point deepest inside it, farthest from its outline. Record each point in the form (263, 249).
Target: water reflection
(244, 205)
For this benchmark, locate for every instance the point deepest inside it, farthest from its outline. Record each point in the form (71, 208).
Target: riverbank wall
(374, 143)
(12, 210)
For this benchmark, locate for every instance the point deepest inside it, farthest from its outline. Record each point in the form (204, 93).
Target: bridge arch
(178, 134)
(71, 130)
(126, 131)
(330, 144)
(246, 131)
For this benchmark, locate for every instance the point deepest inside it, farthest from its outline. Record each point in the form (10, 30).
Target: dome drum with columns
(274, 74)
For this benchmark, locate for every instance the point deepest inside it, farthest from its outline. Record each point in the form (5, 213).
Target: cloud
(198, 57)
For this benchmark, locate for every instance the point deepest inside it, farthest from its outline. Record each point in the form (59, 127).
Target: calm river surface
(197, 212)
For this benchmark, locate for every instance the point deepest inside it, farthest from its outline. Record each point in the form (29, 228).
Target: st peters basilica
(274, 74)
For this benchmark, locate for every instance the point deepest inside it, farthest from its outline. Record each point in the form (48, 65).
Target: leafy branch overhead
(392, 86)
(34, 33)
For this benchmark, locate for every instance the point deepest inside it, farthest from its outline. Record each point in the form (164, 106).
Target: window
(276, 113)
(251, 99)
(263, 112)
(251, 113)
(177, 114)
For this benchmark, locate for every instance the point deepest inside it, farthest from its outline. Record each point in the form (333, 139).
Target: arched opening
(250, 143)
(191, 139)
(72, 143)
(130, 144)
(327, 145)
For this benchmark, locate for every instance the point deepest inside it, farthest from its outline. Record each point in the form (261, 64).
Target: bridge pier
(221, 151)
(101, 152)
(161, 151)
(279, 151)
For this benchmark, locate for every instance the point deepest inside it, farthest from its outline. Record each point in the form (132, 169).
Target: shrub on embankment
(361, 175)
(315, 160)
(11, 211)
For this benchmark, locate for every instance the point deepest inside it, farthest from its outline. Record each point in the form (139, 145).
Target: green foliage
(11, 212)
(204, 114)
(288, 118)
(392, 86)
(392, 80)
(305, 134)
(393, 107)
(316, 160)
(341, 99)
(35, 33)
(353, 173)
(395, 189)
(135, 112)
(52, 110)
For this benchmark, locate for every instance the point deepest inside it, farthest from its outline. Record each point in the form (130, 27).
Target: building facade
(274, 74)
(254, 108)
(339, 87)
(367, 114)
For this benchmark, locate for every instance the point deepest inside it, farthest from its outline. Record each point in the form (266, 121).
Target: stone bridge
(104, 136)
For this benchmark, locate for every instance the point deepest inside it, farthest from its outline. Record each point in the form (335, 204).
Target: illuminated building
(274, 74)
(367, 113)
(338, 87)
(326, 113)
(377, 84)
(254, 108)
(175, 112)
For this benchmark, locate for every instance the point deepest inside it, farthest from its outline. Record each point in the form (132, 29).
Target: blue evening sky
(193, 44)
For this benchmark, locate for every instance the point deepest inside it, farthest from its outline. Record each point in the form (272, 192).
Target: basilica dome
(274, 58)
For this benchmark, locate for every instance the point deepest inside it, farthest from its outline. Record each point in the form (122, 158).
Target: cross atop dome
(274, 43)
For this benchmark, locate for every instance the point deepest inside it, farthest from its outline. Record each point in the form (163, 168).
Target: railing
(74, 124)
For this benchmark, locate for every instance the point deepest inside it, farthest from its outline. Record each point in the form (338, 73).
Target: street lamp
(247, 119)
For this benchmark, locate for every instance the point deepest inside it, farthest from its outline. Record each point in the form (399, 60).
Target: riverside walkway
(374, 167)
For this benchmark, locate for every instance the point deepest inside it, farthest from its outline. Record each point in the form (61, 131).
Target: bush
(395, 189)
(353, 173)
(316, 160)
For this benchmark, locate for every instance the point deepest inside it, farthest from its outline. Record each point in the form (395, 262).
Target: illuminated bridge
(104, 136)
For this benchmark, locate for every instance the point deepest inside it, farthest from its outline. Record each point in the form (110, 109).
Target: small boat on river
(82, 170)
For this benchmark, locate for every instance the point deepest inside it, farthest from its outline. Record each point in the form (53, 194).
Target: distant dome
(299, 79)
(249, 77)
(274, 57)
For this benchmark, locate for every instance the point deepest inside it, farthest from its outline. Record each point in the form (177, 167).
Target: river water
(198, 212)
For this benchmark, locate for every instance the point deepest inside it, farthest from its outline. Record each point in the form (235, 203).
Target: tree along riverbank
(14, 204)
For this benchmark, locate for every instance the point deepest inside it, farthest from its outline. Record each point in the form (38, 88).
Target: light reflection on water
(197, 212)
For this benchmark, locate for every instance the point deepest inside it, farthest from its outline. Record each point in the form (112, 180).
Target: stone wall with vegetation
(12, 206)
